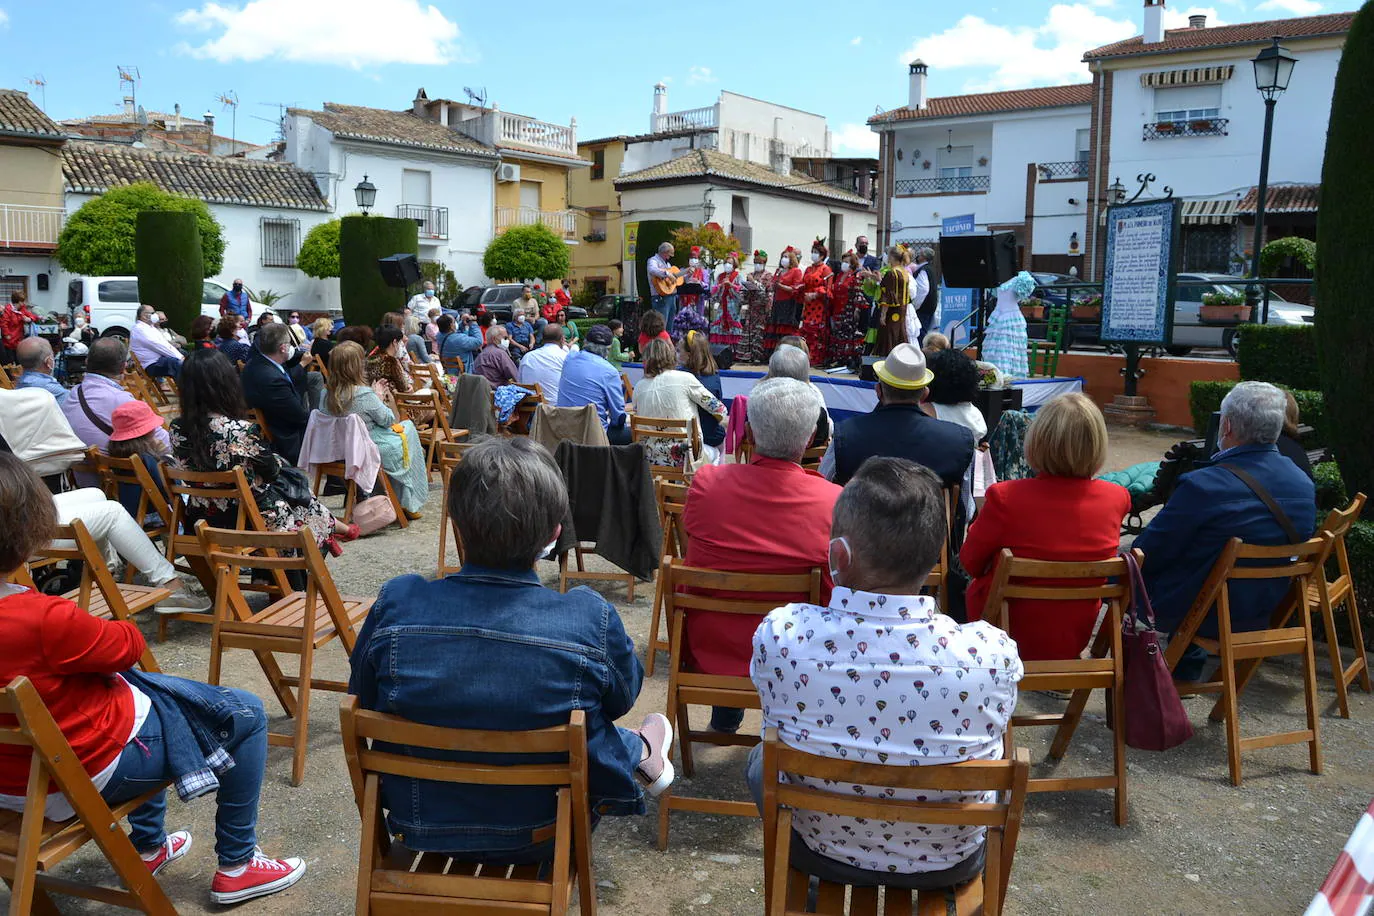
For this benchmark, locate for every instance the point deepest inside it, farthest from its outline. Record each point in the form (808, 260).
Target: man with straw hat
(898, 427)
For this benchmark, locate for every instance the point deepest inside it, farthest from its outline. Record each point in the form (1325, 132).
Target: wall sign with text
(1142, 258)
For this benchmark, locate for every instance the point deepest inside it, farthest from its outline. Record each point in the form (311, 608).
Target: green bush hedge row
(1205, 397)
(1285, 355)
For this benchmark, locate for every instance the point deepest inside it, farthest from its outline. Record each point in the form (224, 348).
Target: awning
(1209, 211)
(1198, 76)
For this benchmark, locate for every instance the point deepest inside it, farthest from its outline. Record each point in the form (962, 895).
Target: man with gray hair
(1224, 500)
(36, 359)
(661, 269)
(589, 378)
(768, 516)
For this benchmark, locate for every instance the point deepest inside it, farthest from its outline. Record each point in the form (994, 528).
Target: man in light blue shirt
(36, 359)
(462, 343)
(588, 378)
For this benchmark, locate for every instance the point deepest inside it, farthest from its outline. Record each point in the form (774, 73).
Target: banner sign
(956, 304)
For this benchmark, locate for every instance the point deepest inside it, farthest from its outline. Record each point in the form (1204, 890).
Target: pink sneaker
(655, 770)
(260, 877)
(174, 847)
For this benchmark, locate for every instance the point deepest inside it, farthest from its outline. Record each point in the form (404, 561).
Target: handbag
(373, 514)
(292, 485)
(1155, 717)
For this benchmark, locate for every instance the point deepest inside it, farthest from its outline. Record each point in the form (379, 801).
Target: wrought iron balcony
(1063, 171)
(967, 184)
(433, 221)
(1198, 127)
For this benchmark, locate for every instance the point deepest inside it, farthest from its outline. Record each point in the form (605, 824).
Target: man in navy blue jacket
(1212, 505)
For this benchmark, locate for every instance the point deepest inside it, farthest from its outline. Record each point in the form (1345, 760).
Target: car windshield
(502, 295)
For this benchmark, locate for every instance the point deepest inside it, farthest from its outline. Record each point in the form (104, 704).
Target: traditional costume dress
(785, 319)
(1006, 343)
(756, 304)
(726, 329)
(893, 300)
(849, 318)
(815, 324)
(691, 298)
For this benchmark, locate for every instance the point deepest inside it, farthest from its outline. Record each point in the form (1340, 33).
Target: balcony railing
(1200, 127)
(497, 128)
(432, 221)
(563, 222)
(690, 119)
(29, 227)
(1063, 171)
(967, 184)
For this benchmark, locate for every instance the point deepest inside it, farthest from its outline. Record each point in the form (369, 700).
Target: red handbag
(1155, 717)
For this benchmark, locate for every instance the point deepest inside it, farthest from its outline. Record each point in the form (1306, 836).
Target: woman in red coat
(815, 324)
(1060, 514)
(786, 314)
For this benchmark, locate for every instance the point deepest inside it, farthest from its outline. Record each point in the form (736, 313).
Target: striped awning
(1216, 211)
(1197, 76)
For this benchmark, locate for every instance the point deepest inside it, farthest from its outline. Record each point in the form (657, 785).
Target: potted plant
(1165, 127)
(1032, 307)
(1200, 124)
(1088, 308)
(1221, 307)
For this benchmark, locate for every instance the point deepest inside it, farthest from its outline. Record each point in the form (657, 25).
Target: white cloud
(4, 18)
(1295, 7)
(856, 40)
(699, 75)
(351, 33)
(854, 140)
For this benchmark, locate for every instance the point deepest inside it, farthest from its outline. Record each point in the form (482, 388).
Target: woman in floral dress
(691, 315)
(213, 434)
(756, 304)
(849, 312)
(815, 296)
(726, 329)
(785, 319)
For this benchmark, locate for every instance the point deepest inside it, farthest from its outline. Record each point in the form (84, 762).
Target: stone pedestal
(1127, 410)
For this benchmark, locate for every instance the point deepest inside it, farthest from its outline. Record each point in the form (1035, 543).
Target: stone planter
(1087, 313)
(1032, 312)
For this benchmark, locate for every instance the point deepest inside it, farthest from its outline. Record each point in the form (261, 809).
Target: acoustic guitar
(668, 285)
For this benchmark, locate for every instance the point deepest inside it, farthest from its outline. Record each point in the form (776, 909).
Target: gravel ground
(1194, 844)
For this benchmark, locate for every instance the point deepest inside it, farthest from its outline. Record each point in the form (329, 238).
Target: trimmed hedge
(652, 233)
(1285, 355)
(362, 240)
(1359, 543)
(1206, 397)
(1330, 488)
(170, 263)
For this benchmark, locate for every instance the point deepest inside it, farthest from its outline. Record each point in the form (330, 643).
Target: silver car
(1189, 331)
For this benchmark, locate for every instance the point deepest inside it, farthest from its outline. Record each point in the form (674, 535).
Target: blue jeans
(665, 306)
(143, 765)
(619, 435)
(163, 367)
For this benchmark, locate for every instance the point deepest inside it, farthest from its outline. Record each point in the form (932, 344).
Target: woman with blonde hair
(668, 393)
(403, 458)
(697, 359)
(1061, 514)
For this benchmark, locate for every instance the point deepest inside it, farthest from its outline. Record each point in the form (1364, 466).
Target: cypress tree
(170, 263)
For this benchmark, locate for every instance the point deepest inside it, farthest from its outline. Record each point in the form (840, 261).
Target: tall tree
(98, 239)
(170, 268)
(526, 253)
(363, 293)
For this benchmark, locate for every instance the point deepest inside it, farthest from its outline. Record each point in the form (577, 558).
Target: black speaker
(866, 370)
(724, 355)
(978, 261)
(399, 269)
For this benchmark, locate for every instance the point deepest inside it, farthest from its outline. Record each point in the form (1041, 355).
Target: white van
(110, 304)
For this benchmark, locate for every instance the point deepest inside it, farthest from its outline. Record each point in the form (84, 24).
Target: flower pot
(1032, 312)
(1165, 127)
(1224, 313)
(1087, 312)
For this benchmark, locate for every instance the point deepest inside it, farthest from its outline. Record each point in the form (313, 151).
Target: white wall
(1056, 219)
(55, 299)
(648, 153)
(798, 129)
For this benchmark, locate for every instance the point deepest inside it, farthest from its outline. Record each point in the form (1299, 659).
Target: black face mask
(238, 287)
(862, 249)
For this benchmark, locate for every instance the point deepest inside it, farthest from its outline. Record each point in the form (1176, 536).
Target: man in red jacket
(768, 516)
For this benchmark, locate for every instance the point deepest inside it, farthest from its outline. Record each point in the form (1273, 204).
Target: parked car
(110, 304)
(1055, 289)
(498, 300)
(614, 305)
(1189, 331)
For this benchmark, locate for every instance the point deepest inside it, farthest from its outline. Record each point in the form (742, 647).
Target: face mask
(505, 344)
(815, 257)
(295, 320)
(548, 551)
(238, 287)
(693, 262)
(834, 568)
(520, 319)
(863, 249)
(759, 266)
(429, 294)
(784, 262)
(844, 267)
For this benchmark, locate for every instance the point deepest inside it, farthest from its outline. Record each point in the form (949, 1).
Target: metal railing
(432, 221)
(29, 227)
(1050, 171)
(688, 119)
(1199, 127)
(967, 184)
(563, 222)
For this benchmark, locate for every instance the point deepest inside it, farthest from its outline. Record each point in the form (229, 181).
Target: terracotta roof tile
(91, 167)
(19, 115)
(710, 163)
(401, 128)
(1289, 198)
(953, 106)
(1222, 36)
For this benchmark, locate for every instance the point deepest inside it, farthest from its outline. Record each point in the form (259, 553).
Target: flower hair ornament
(760, 255)
(1021, 285)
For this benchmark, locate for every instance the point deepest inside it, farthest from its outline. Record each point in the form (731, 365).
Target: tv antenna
(37, 82)
(476, 97)
(278, 121)
(230, 100)
(129, 76)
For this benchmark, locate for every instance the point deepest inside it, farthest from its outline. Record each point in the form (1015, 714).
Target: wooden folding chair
(429, 375)
(32, 846)
(672, 501)
(1325, 595)
(7, 377)
(1081, 676)
(731, 593)
(154, 385)
(450, 456)
(296, 624)
(1241, 653)
(786, 888)
(658, 429)
(132, 472)
(937, 582)
(257, 416)
(453, 365)
(98, 592)
(523, 417)
(430, 419)
(811, 458)
(395, 881)
(627, 388)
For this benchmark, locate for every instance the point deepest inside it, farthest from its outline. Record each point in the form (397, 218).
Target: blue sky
(597, 62)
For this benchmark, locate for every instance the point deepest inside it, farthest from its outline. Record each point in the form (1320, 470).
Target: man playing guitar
(665, 280)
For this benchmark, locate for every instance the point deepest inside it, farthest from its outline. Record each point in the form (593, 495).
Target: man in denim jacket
(490, 648)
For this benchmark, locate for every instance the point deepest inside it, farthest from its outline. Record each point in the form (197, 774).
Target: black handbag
(292, 486)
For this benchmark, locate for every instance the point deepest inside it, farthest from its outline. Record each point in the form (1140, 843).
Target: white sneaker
(183, 602)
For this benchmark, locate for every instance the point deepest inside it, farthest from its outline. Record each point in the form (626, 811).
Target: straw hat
(905, 367)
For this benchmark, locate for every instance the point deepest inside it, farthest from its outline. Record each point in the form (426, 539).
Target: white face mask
(760, 267)
(815, 257)
(844, 267)
(693, 262)
(784, 261)
(505, 343)
(834, 569)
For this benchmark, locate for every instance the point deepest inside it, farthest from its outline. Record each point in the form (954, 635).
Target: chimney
(916, 95)
(1197, 21)
(210, 132)
(1154, 22)
(660, 106)
(129, 106)
(176, 121)
(778, 160)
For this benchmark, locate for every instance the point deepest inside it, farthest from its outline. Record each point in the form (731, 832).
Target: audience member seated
(618, 355)
(1060, 514)
(571, 336)
(321, 344)
(416, 348)
(668, 393)
(791, 361)
(423, 640)
(934, 342)
(589, 378)
(1290, 443)
(1213, 504)
(697, 359)
(898, 427)
(360, 334)
(386, 371)
(269, 386)
(201, 329)
(768, 516)
(90, 409)
(130, 730)
(227, 340)
(650, 328)
(36, 359)
(403, 457)
(158, 356)
(521, 331)
(953, 389)
(545, 365)
(137, 432)
(493, 362)
(214, 433)
(938, 692)
(460, 340)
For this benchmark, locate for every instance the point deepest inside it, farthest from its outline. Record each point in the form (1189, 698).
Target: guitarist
(663, 275)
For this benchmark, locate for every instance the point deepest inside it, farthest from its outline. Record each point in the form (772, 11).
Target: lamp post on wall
(366, 194)
(1273, 70)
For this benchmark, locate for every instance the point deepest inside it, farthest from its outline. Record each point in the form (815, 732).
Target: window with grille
(598, 164)
(281, 240)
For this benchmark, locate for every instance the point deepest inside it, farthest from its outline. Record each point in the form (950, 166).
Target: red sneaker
(174, 847)
(261, 876)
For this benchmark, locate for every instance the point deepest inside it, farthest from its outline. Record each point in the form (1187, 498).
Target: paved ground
(1194, 844)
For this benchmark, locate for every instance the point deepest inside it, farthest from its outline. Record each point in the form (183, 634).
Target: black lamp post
(1116, 192)
(708, 209)
(366, 193)
(1273, 70)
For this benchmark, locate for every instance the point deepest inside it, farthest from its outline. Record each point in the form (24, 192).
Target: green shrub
(1360, 545)
(168, 257)
(362, 240)
(1330, 488)
(319, 254)
(1273, 255)
(1206, 397)
(1282, 354)
(525, 253)
(98, 239)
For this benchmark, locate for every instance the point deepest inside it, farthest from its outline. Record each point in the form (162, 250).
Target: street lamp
(1273, 70)
(1116, 192)
(366, 193)
(708, 209)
